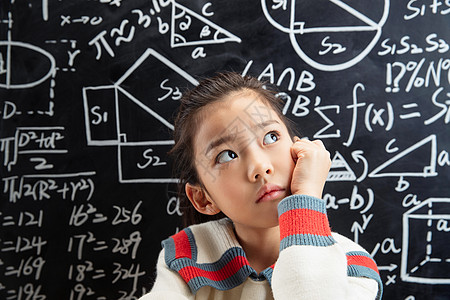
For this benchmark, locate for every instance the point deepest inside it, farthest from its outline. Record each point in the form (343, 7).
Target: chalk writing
(299, 30)
(89, 93)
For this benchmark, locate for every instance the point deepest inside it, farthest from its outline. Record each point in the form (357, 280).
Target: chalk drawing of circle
(26, 65)
(287, 23)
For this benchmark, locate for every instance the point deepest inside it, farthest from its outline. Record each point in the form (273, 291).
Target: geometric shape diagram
(137, 122)
(100, 115)
(425, 243)
(322, 40)
(340, 170)
(190, 29)
(415, 161)
(24, 65)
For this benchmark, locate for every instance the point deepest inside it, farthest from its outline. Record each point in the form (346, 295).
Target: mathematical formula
(88, 94)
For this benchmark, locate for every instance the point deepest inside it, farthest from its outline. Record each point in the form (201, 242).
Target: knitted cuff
(303, 221)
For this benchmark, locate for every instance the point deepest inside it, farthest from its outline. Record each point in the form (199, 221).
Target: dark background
(79, 113)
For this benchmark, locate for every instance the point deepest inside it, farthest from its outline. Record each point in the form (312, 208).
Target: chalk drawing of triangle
(402, 159)
(340, 170)
(151, 53)
(212, 33)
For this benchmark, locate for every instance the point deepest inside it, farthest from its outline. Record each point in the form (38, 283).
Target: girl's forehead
(236, 117)
(245, 101)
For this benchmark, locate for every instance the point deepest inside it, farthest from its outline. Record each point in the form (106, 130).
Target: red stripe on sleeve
(362, 260)
(227, 271)
(182, 245)
(304, 221)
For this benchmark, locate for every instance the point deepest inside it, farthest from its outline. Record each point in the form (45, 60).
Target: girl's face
(243, 158)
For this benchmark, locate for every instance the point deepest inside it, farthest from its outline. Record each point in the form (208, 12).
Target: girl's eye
(225, 156)
(270, 138)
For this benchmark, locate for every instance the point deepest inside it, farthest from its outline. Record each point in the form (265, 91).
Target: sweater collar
(229, 270)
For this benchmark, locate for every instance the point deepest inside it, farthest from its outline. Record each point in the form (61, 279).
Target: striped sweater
(205, 261)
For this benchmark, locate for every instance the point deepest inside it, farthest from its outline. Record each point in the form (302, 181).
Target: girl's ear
(200, 201)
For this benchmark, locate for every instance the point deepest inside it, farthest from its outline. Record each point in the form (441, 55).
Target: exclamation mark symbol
(388, 77)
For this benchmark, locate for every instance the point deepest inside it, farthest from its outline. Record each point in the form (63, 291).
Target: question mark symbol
(397, 78)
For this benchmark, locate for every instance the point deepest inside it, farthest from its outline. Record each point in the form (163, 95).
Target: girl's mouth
(269, 192)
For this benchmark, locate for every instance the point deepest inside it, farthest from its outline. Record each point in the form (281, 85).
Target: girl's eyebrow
(230, 137)
(219, 141)
(264, 124)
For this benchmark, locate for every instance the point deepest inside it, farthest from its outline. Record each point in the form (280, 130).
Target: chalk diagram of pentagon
(300, 19)
(115, 116)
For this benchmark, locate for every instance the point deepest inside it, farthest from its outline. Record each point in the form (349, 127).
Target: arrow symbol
(358, 156)
(356, 229)
(389, 268)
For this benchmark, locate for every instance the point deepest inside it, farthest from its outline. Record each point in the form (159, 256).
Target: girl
(268, 235)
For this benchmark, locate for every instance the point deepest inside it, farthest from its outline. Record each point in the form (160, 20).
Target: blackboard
(88, 90)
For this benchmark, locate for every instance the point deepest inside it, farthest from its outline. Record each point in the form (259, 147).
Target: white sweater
(206, 262)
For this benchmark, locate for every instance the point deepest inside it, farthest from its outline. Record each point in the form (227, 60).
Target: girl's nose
(259, 165)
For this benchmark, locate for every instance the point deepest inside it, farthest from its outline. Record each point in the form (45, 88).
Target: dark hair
(187, 119)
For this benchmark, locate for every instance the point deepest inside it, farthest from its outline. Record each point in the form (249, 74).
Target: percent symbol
(417, 81)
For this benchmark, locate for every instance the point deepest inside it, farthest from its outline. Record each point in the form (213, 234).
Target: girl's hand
(312, 163)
